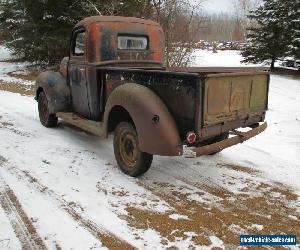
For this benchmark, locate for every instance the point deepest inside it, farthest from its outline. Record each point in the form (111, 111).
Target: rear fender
(155, 125)
(56, 89)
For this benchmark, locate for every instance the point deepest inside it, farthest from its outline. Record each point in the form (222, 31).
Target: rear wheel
(130, 159)
(48, 120)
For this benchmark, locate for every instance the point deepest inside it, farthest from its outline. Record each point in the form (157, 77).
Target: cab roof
(92, 19)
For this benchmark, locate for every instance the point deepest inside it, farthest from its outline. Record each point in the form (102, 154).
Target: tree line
(39, 30)
(221, 27)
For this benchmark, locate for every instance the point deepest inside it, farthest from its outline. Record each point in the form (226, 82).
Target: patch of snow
(5, 53)
(276, 194)
(216, 242)
(226, 58)
(257, 227)
(205, 198)
(178, 217)
(293, 217)
(8, 239)
(50, 219)
(276, 151)
(82, 160)
(6, 67)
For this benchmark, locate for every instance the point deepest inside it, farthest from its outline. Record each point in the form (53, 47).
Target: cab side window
(78, 43)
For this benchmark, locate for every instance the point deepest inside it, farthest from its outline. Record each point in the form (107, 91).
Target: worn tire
(46, 119)
(218, 138)
(130, 159)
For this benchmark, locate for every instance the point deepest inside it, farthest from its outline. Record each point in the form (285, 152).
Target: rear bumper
(218, 146)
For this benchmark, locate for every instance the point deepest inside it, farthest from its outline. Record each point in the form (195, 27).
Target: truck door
(77, 73)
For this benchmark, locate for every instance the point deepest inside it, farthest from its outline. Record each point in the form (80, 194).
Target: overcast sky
(218, 6)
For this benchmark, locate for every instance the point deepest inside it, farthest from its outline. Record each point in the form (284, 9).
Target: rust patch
(239, 210)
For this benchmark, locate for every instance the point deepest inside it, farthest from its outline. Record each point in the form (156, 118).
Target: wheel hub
(128, 149)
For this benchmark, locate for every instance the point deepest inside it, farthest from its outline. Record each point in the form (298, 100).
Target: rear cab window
(132, 42)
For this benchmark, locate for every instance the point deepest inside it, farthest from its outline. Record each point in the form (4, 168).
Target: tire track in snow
(108, 239)
(21, 224)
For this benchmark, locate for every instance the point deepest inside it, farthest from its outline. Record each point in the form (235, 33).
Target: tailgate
(234, 96)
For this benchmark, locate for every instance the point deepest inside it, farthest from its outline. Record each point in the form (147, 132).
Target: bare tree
(181, 22)
(217, 27)
(242, 9)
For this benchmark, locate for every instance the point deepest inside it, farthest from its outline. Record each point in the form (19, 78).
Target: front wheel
(48, 120)
(130, 159)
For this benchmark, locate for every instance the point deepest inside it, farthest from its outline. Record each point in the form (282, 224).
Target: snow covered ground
(228, 58)
(61, 187)
(6, 68)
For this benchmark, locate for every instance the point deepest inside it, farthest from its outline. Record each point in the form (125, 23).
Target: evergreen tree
(294, 48)
(11, 21)
(39, 30)
(270, 38)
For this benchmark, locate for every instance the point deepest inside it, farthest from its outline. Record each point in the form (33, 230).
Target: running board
(96, 128)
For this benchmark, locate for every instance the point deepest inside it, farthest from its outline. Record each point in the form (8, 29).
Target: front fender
(156, 128)
(56, 89)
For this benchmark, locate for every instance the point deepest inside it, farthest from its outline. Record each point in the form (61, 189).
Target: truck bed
(209, 101)
(231, 97)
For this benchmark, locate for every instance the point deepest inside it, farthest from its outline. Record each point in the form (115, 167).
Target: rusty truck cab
(118, 40)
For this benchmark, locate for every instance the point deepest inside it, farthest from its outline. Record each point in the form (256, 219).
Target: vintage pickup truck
(114, 81)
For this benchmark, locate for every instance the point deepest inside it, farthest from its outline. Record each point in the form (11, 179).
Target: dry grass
(242, 211)
(22, 89)
(18, 86)
(30, 75)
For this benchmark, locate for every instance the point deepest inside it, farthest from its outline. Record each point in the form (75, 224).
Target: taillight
(191, 137)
